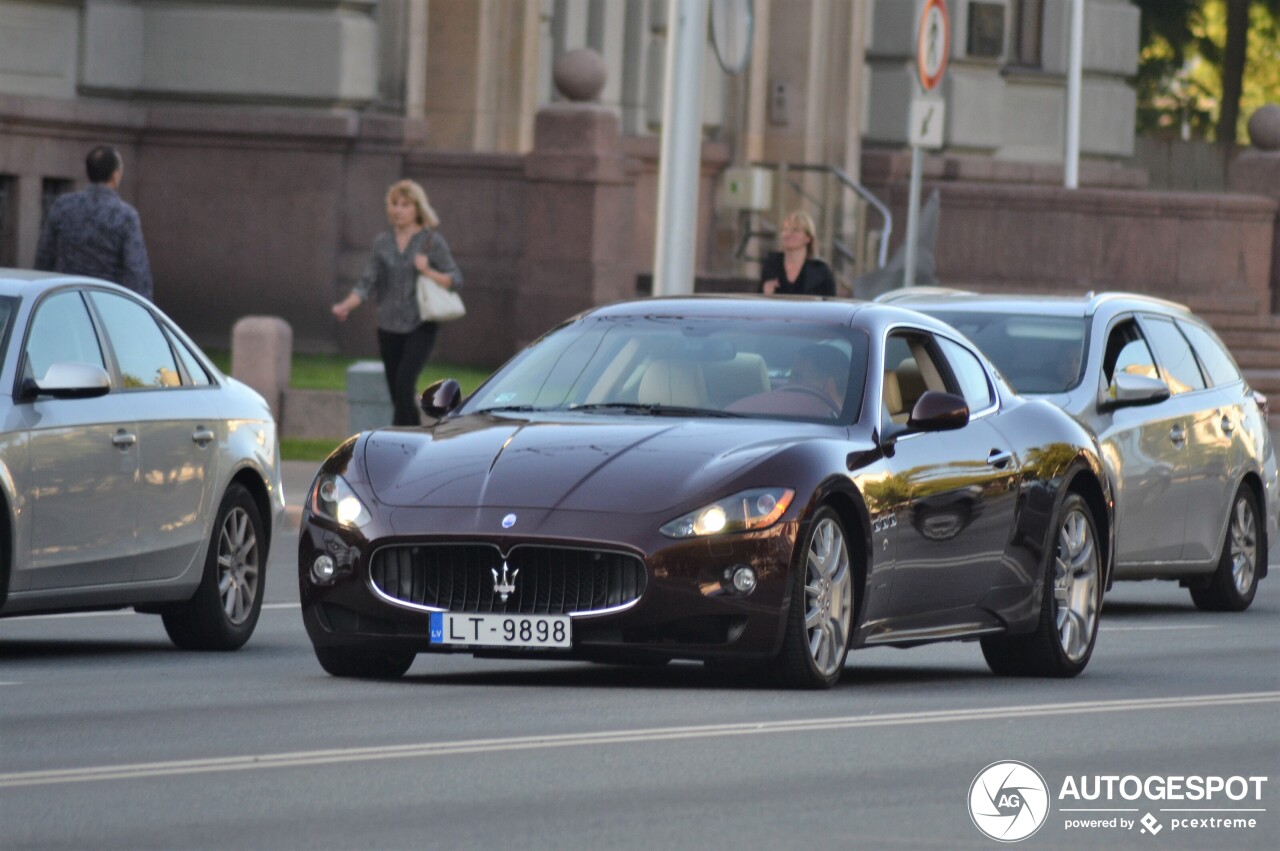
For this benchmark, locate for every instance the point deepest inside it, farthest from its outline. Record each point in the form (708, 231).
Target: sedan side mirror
(70, 381)
(441, 398)
(938, 411)
(1128, 389)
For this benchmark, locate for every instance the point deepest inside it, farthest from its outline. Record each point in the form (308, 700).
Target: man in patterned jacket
(93, 232)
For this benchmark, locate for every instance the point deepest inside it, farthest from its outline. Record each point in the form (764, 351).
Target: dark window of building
(1028, 17)
(986, 31)
(50, 189)
(8, 220)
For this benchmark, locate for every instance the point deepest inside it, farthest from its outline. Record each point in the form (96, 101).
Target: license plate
(501, 630)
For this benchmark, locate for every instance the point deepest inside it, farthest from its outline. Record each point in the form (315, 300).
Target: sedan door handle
(124, 439)
(1178, 435)
(999, 459)
(202, 436)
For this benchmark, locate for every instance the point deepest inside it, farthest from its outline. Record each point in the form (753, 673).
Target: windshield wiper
(511, 408)
(655, 410)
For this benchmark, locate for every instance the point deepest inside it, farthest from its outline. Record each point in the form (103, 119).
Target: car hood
(606, 464)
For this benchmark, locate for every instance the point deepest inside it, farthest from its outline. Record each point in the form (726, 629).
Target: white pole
(680, 160)
(1075, 66)
(913, 219)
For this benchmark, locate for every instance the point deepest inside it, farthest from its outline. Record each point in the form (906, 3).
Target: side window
(969, 373)
(142, 350)
(61, 332)
(909, 370)
(199, 376)
(1175, 355)
(1127, 351)
(1214, 357)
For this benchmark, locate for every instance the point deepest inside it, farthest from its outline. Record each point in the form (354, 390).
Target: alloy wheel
(1075, 585)
(238, 567)
(828, 594)
(1244, 545)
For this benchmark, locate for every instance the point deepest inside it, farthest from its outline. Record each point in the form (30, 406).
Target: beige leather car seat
(667, 382)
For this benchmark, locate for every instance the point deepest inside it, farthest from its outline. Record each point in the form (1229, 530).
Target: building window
(50, 189)
(1028, 16)
(986, 31)
(8, 220)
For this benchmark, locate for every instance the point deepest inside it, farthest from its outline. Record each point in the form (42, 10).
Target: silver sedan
(132, 472)
(1184, 438)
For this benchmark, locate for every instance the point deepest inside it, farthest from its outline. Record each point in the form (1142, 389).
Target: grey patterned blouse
(390, 278)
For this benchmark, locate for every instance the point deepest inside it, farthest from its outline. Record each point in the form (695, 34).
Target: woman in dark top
(794, 270)
(411, 248)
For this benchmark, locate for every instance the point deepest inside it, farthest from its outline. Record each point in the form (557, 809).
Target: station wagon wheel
(1063, 639)
(225, 608)
(1235, 582)
(820, 618)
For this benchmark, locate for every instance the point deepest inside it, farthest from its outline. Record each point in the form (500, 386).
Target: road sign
(933, 44)
(927, 115)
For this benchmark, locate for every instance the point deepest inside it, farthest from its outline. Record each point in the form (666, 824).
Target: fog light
(744, 580)
(322, 569)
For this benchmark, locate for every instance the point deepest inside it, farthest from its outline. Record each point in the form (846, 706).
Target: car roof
(1088, 304)
(19, 282)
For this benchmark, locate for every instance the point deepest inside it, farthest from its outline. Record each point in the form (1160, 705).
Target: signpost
(933, 47)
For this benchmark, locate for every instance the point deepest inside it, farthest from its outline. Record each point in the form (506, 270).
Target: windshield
(1036, 354)
(701, 367)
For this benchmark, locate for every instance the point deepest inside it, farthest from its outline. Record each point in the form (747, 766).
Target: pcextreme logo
(1008, 801)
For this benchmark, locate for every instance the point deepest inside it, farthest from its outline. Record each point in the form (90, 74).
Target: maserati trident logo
(504, 586)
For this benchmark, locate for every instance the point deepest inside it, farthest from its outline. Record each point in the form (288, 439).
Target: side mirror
(938, 411)
(1129, 389)
(70, 381)
(441, 398)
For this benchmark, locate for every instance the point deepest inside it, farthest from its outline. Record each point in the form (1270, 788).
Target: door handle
(1178, 435)
(1227, 425)
(999, 459)
(202, 436)
(124, 439)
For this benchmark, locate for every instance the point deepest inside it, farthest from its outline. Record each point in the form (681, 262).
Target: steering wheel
(816, 393)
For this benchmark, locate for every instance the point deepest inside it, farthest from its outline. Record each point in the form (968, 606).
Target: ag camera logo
(1008, 801)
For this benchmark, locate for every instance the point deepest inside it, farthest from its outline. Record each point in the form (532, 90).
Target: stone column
(1257, 172)
(579, 214)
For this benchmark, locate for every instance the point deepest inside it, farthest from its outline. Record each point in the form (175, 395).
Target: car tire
(820, 616)
(1233, 585)
(364, 664)
(1063, 640)
(225, 608)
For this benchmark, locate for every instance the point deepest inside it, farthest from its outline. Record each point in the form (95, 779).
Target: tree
(1206, 65)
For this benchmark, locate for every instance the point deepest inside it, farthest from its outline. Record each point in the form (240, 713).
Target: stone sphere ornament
(579, 74)
(1264, 127)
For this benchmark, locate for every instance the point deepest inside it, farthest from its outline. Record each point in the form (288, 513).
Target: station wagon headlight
(333, 498)
(742, 512)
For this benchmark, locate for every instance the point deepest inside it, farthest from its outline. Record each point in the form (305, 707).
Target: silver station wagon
(1183, 437)
(132, 472)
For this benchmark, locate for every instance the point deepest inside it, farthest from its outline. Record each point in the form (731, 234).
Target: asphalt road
(109, 738)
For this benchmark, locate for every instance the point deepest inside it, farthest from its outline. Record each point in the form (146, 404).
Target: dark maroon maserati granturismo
(765, 483)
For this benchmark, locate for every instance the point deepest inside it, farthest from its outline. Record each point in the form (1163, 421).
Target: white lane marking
(11, 684)
(1104, 628)
(519, 743)
(119, 613)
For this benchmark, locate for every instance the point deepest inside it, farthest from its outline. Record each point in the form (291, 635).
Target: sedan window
(1127, 351)
(1214, 357)
(969, 373)
(61, 333)
(1175, 355)
(142, 351)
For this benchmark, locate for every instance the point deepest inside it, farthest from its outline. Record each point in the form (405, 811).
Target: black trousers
(403, 357)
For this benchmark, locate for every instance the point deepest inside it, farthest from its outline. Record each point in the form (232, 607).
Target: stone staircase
(1252, 332)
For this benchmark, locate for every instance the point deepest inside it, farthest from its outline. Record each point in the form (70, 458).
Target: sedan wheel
(1235, 582)
(820, 620)
(224, 610)
(363, 664)
(1063, 640)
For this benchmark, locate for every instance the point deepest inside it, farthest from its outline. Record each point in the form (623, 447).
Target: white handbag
(437, 304)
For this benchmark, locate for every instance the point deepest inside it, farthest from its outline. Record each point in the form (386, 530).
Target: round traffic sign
(933, 44)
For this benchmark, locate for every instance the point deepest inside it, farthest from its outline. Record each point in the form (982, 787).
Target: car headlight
(745, 511)
(333, 498)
